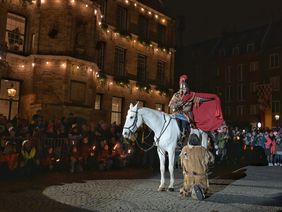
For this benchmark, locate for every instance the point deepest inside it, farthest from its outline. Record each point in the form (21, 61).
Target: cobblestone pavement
(259, 190)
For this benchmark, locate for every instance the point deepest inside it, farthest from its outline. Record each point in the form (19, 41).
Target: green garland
(122, 81)
(145, 87)
(102, 79)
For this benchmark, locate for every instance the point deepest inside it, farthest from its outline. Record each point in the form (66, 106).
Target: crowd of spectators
(69, 143)
(74, 144)
(232, 144)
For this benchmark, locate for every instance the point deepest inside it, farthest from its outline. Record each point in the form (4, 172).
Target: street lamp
(11, 94)
(277, 120)
(259, 125)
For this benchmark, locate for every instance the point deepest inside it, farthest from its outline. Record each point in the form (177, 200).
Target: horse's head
(133, 121)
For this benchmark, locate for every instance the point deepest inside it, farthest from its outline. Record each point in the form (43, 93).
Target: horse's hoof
(171, 189)
(161, 189)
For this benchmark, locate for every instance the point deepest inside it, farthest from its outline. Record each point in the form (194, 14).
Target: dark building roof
(274, 36)
(243, 38)
(154, 4)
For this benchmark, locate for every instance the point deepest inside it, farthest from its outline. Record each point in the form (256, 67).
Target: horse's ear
(137, 105)
(130, 106)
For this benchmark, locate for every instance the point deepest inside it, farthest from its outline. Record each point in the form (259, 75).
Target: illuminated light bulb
(100, 23)
(151, 45)
(42, 1)
(164, 50)
(86, 5)
(63, 65)
(142, 9)
(102, 16)
(156, 49)
(33, 64)
(22, 66)
(108, 31)
(77, 67)
(135, 5)
(95, 12)
(134, 41)
(163, 20)
(0, 58)
(156, 16)
(136, 88)
(169, 52)
(72, 1)
(111, 83)
(126, 1)
(47, 63)
(150, 13)
(90, 69)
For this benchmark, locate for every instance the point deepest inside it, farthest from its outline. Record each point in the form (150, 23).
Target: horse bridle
(134, 124)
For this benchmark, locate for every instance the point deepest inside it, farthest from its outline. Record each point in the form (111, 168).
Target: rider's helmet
(183, 83)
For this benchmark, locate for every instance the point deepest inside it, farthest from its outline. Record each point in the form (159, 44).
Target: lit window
(116, 110)
(98, 101)
(15, 32)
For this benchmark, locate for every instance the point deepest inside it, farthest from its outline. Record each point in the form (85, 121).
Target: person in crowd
(28, 158)
(85, 149)
(48, 160)
(105, 158)
(11, 155)
(75, 159)
(223, 138)
(195, 160)
(270, 147)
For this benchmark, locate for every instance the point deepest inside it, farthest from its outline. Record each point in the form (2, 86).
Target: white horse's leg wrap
(162, 169)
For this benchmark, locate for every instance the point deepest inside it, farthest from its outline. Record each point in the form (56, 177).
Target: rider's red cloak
(208, 116)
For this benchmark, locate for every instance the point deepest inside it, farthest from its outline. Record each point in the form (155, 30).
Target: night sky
(206, 19)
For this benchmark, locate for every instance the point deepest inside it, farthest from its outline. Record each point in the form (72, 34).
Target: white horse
(166, 132)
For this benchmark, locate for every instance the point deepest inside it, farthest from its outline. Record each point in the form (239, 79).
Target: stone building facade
(89, 58)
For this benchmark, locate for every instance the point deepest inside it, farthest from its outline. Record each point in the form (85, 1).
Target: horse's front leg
(162, 169)
(171, 157)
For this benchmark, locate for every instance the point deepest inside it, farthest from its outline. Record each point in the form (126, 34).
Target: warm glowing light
(90, 69)
(163, 20)
(63, 65)
(142, 9)
(77, 67)
(102, 16)
(164, 50)
(108, 31)
(0, 57)
(126, 1)
(156, 16)
(47, 63)
(135, 5)
(95, 12)
(22, 66)
(134, 41)
(33, 64)
(42, 1)
(86, 5)
(111, 83)
(100, 23)
(150, 13)
(151, 45)
(156, 49)
(72, 1)
(12, 92)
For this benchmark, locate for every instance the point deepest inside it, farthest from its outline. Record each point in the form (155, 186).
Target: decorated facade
(89, 58)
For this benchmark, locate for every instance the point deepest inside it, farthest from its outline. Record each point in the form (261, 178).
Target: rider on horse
(202, 110)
